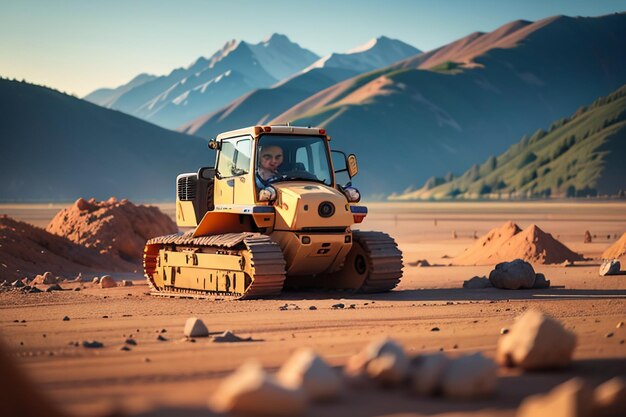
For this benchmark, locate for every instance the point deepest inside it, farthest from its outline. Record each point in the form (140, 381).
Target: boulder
(573, 398)
(107, 282)
(127, 283)
(383, 361)
(477, 282)
(427, 373)
(513, 275)
(194, 327)
(469, 377)
(610, 398)
(47, 278)
(609, 267)
(249, 390)
(229, 337)
(306, 370)
(541, 282)
(536, 341)
(96, 280)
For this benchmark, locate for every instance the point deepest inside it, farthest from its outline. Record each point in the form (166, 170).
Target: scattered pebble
(504, 330)
(92, 344)
(130, 342)
(66, 318)
(619, 325)
(125, 348)
(161, 338)
(312, 308)
(337, 306)
(229, 337)
(147, 360)
(127, 283)
(609, 334)
(352, 306)
(434, 329)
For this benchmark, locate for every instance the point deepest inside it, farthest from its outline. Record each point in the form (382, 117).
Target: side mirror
(353, 167)
(213, 144)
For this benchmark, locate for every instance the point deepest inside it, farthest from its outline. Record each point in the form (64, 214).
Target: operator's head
(271, 157)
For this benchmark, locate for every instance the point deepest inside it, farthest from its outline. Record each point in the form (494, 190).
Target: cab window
(234, 159)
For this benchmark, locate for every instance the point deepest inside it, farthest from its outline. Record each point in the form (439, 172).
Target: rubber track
(384, 261)
(266, 258)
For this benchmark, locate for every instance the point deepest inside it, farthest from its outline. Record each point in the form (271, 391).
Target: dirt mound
(616, 250)
(118, 228)
(26, 251)
(510, 242)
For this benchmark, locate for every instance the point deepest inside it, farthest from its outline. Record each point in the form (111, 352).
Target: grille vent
(186, 187)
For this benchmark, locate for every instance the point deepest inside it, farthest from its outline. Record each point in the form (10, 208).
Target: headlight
(267, 194)
(326, 209)
(352, 194)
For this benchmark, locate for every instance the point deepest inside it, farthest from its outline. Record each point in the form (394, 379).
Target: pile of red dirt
(26, 251)
(509, 242)
(617, 250)
(118, 228)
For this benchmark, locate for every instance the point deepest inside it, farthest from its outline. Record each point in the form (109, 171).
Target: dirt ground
(178, 376)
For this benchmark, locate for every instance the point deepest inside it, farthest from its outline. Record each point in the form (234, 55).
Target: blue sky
(77, 46)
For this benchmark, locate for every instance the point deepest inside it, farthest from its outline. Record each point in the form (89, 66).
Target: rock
(541, 282)
(337, 306)
(96, 280)
(608, 335)
(306, 370)
(194, 327)
(477, 282)
(54, 287)
(427, 373)
(160, 338)
(127, 283)
(79, 278)
(47, 278)
(92, 344)
(289, 307)
(230, 337)
(249, 390)
(619, 325)
(34, 290)
(536, 342)
(420, 262)
(587, 238)
(570, 399)
(470, 377)
(435, 329)
(504, 330)
(18, 284)
(513, 275)
(609, 267)
(383, 361)
(107, 282)
(66, 318)
(130, 342)
(125, 348)
(610, 398)
(312, 308)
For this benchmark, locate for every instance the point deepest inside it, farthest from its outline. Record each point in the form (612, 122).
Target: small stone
(163, 330)
(308, 371)
(54, 287)
(382, 360)
(573, 398)
(504, 330)
(127, 283)
(312, 308)
(352, 306)
(76, 289)
(92, 344)
(161, 338)
(66, 318)
(337, 306)
(434, 329)
(125, 348)
(541, 282)
(470, 377)
(536, 342)
(17, 284)
(610, 397)
(105, 317)
(427, 373)
(249, 390)
(107, 282)
(194, 327)
(130, 342)
(609, 267)
(34, 290)
(147, 360)
(517, 274)
(96, 280)
(619, 325)
(477, 283)
(229, 337)
(608, 335)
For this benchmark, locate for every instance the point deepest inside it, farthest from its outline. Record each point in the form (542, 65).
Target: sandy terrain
(181, 374)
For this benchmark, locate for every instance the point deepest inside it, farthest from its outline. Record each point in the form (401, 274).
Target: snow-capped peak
(362, 48)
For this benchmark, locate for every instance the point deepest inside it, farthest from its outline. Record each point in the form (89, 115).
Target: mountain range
(57, 148)
(577, 156)
(208, 83)
(448, 108)
(262, 105)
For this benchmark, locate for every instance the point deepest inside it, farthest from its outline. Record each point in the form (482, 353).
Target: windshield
(287, 158)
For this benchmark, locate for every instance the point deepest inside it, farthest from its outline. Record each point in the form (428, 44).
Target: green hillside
(578, 156)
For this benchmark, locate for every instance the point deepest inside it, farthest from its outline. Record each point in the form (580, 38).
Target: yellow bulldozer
(275, 212)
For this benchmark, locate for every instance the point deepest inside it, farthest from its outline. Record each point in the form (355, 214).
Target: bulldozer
(275, 212)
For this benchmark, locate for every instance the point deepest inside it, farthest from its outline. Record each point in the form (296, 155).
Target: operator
(270, 159)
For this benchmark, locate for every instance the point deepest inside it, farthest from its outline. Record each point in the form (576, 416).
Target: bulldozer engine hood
(310, 206)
